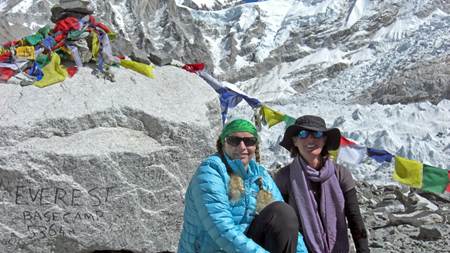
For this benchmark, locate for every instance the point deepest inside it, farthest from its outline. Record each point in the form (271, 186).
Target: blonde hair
(236, 186)
(264, 197)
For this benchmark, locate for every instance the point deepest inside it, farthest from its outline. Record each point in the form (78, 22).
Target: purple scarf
(324, 232)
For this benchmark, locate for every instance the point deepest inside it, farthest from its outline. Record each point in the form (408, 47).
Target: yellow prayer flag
(408, 172)
(142, 68)
(333, 154)
(25, 52)
(66, 50)
(95, 45)
(53, 72)
(270, 116)
(112, 36)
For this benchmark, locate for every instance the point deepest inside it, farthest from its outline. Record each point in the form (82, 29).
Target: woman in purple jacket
(321, 192)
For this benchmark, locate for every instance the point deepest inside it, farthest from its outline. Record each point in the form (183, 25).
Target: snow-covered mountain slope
(336, 59)
(213, 4)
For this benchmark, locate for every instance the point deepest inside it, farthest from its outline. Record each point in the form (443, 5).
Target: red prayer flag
(194, 67)
(72, 70)
(100, 25)
(67, 24)
(60, 37)
(351, 152)
(11, 43)
(5, 56)
(346, 142)
(103, 27)
(6, 74)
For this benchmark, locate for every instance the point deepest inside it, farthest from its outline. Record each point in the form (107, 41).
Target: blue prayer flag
(379, 155)
(36, 71)
(214, 83)
(49, 42)
(228, 97)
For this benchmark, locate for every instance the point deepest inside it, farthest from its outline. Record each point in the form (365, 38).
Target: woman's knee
(282, 214)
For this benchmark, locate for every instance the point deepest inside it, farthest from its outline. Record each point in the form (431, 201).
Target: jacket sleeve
(211, 201)
(355, 222)
(301, 246)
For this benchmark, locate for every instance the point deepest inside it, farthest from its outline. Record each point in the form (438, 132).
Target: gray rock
(415, 219)
(357, 115)
(429, 234)
(91, 165)
(160, 61)
(390, 205)
(376, 245)
(72, 4)
(394, 232)
(390, 196)
(140, 56)
(423, 81)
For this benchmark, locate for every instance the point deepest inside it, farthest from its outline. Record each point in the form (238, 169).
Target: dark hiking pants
(275, 228)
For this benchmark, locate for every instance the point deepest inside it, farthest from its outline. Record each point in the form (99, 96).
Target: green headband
(238, 125)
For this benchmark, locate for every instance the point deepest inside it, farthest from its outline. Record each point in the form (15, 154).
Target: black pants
(275, 228)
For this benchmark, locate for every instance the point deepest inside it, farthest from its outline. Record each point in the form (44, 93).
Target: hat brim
(332, 142)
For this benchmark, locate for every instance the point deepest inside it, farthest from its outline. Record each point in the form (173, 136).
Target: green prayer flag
(34, 39)
(44, 30)
(434, 179)
(42, 60)
(77, 34)
(288, 120)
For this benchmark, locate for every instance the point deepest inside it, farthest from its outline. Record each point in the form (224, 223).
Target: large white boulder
(92, 165)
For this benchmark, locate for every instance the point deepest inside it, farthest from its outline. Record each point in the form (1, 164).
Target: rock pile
(403, 220)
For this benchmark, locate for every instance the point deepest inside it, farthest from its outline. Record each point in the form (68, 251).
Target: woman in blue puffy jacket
(233, 205)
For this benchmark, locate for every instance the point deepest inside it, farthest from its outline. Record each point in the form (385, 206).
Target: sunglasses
(236, 141)
(303, 134)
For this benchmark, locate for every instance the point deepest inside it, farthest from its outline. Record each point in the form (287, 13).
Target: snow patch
(22, 7)
(273, 14)
(357, 12)
(399, 29)
(363, 55)
(117, 9)
(2, 6)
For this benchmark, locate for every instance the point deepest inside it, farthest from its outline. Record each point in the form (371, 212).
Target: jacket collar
(238, 167)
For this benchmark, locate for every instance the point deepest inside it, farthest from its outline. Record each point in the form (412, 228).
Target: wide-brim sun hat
(313, 123)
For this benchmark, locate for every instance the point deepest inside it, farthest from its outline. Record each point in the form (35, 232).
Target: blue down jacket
(214, 224)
